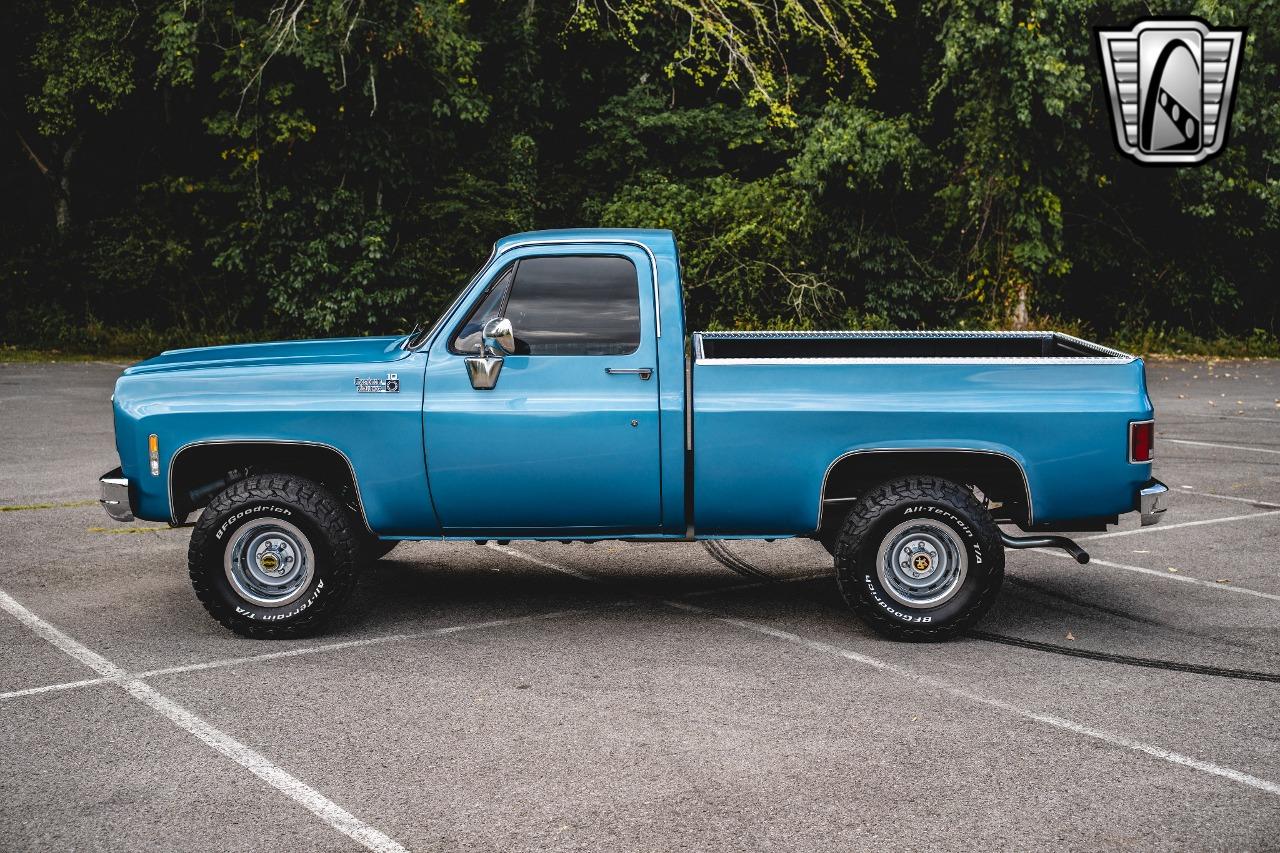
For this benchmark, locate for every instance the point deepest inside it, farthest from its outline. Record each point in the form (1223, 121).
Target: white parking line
(1253, 501)
(1169, 576)
(942, 686)
(1048, 719)
(256, 763)
(1222, 446)
(52, 688)
(1158, 528)
(1174, 416)
(305, 650)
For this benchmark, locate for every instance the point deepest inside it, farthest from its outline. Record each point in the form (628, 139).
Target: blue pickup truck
(559, 397)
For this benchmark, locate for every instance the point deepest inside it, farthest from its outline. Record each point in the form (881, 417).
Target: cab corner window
(467, 338)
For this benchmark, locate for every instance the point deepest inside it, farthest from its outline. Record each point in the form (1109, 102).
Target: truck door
(567, 439)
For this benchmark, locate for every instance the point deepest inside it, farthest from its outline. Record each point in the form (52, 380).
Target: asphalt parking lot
(644, 697)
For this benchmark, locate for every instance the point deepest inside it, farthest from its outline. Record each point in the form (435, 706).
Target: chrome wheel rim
(921, 563)
(269, 562)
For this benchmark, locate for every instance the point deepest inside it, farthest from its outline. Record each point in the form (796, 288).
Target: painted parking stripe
(1222, 446)
(1158, 528)
(1238, 498)
(1169, 576)
(256, 763)
(1008, 707)
(1166, 418)
(942, 686)
(305, 650)
(54, 688)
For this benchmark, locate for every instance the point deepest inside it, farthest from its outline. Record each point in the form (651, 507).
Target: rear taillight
(1142, 441)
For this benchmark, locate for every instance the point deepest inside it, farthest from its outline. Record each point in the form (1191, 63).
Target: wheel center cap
(921, 563)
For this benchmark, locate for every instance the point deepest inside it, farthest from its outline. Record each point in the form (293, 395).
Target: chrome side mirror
(497, 339)
(498, 335)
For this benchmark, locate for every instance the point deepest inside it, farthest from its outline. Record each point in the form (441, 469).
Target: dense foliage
(185, 170)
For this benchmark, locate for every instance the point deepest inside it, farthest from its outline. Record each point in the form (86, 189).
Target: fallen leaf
(1222, 580)
(1070, 636)
(1172, 569)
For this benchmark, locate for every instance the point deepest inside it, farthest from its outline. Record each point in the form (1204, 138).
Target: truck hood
(276, 353)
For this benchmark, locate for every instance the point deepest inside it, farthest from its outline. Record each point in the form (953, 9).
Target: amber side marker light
(1142, 441)
(153, 452)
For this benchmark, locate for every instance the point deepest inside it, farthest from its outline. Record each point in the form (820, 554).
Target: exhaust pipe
(1062, 542)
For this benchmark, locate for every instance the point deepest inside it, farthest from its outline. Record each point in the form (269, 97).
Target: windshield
(419, 337)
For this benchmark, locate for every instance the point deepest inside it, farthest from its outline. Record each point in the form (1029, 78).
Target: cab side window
(575, 305)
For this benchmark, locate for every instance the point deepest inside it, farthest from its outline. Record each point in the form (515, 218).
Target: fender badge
(390, 385)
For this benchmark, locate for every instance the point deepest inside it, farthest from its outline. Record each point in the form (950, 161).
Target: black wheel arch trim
(173, 464)
(1026, 483)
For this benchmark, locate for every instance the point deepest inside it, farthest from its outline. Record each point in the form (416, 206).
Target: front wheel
(274, 556)
(919, 558)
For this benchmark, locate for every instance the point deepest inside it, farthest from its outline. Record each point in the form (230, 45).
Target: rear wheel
(919, 558)
(274, 556)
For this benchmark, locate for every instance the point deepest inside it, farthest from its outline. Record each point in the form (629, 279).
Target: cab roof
(660, 241)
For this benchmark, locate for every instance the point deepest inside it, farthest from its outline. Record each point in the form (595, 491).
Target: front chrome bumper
(114, 495)
(1153, 501)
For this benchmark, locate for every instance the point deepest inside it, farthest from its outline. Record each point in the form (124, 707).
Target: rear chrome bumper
(1153, 501)
(114, 495)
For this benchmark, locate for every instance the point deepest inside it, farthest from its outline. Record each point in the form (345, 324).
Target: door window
(562, 305)
(570, 305)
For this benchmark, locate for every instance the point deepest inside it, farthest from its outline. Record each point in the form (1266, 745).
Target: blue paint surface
(552, 449)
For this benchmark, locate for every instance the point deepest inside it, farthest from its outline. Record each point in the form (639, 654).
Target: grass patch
(116, 531)
(1160, 341)
(30, 355)
(24, 507)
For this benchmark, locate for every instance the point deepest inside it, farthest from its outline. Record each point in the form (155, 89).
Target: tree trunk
(62, 195)
(1020, 317)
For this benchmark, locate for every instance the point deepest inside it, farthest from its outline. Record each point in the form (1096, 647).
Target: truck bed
(897, 345)
(772, 412)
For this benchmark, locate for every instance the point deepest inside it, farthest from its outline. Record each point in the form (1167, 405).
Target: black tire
(914, 512)
(295, 516)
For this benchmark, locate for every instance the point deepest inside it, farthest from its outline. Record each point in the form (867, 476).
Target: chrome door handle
(642, 372)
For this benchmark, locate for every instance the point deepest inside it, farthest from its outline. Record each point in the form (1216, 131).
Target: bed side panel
(765, 434)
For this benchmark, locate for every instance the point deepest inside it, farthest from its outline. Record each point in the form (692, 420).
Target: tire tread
(325, 511)
(883, 498)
